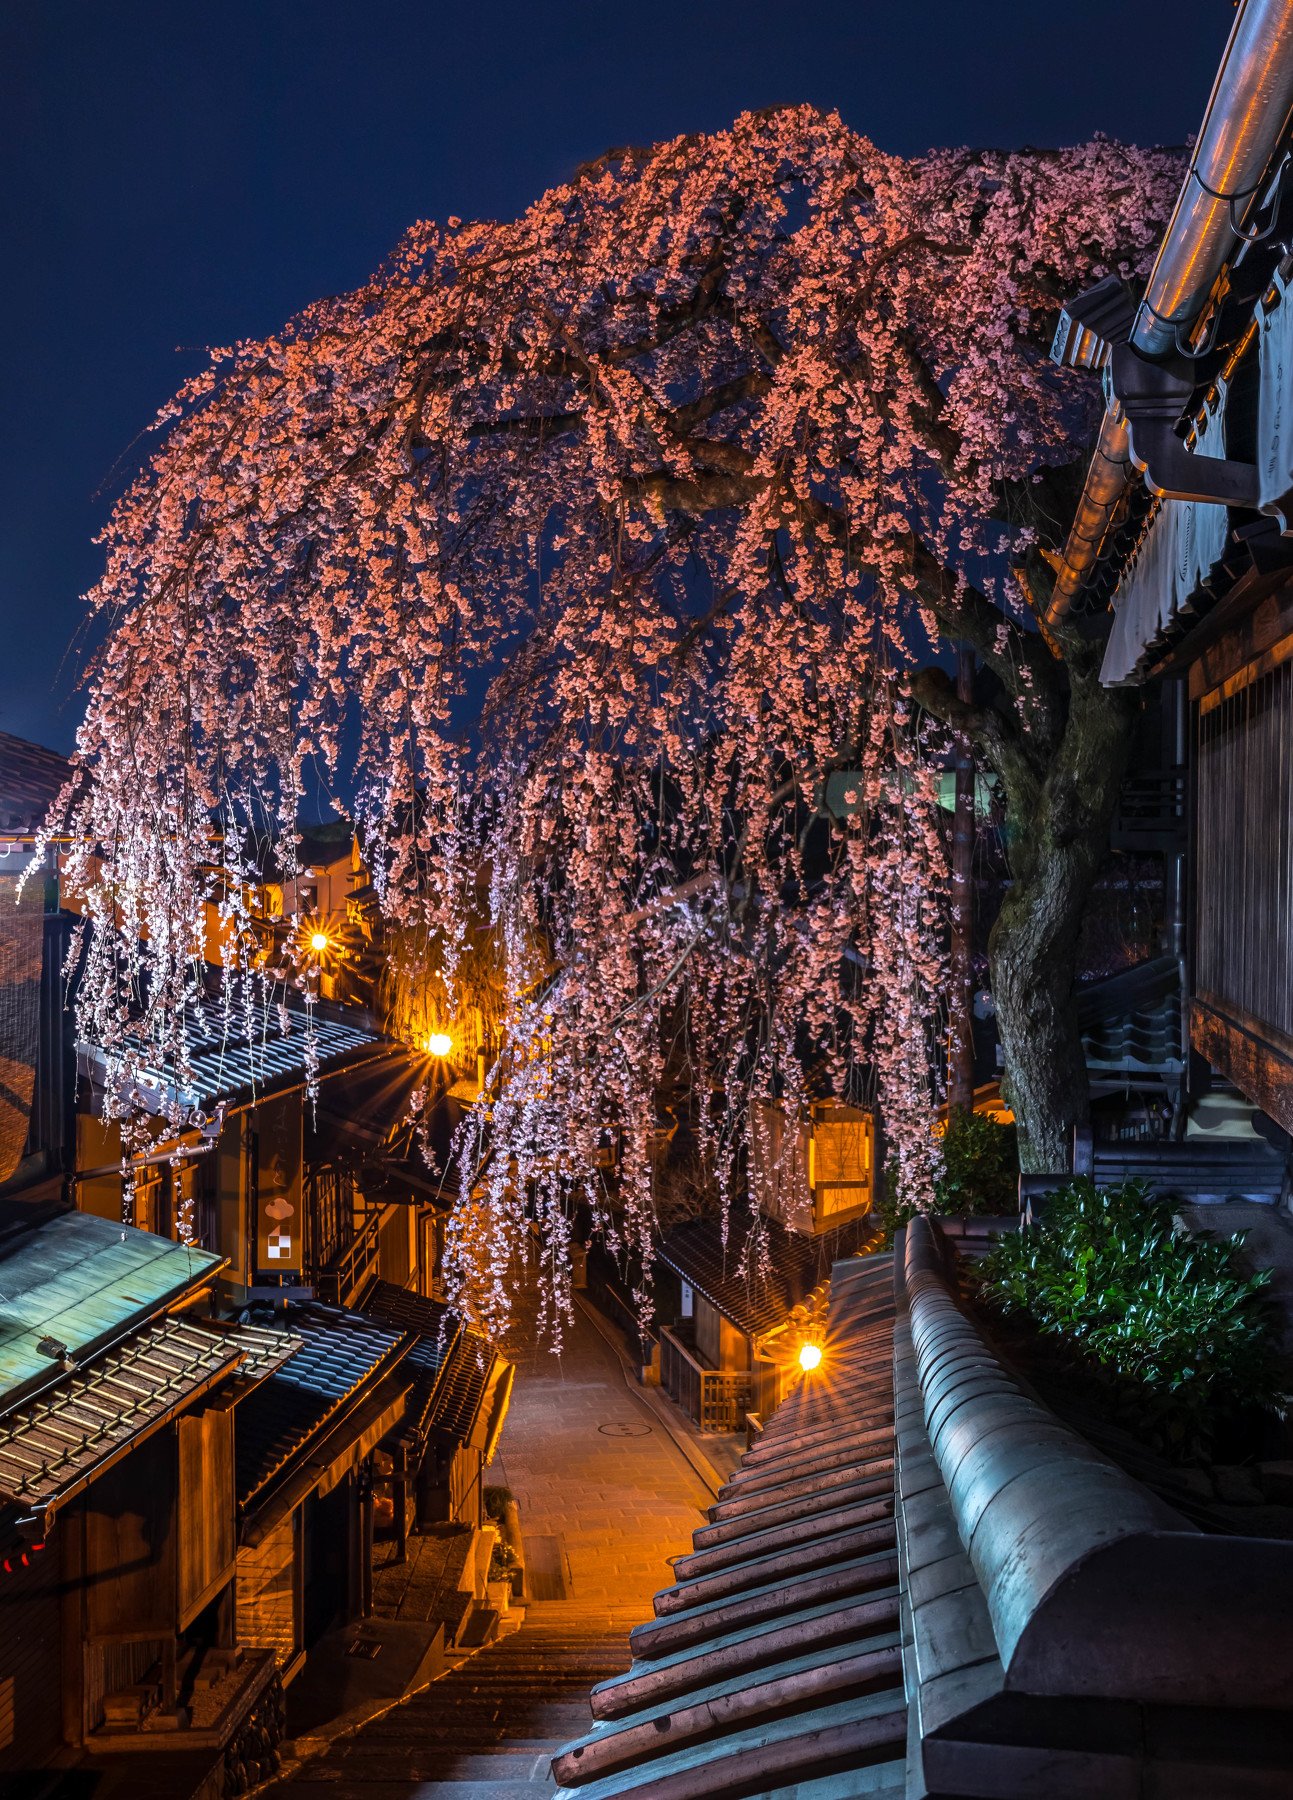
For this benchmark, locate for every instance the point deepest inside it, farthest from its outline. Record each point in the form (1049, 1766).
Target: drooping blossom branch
(588, 550)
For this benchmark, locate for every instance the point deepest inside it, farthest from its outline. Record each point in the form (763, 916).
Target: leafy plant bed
(979, 1176)
(1109, 1308)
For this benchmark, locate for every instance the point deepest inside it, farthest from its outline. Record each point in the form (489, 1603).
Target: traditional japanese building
(118, 1397)
(1183, 535)
(222, 1373)
(250, 1173)
(728, 1348)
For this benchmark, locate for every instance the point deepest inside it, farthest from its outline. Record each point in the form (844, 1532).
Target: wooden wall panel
(1246, 1056)
(1243, 874)
(31, 1722)
(269, 1615)
(205, 1538)
(130, 1544)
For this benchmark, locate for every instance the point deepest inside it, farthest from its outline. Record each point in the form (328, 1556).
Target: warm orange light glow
(439, 1043)
(318, 940)
(810, 1356)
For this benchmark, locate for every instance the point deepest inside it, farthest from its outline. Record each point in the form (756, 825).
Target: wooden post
(401, 1480)
(960, 1049)
(364, 1482)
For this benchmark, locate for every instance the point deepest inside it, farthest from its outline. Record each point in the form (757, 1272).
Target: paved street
(605, 1497)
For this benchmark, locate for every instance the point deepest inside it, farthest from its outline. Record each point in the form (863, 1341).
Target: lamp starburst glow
(318, 941)
(439, 1043)
(810, 1356)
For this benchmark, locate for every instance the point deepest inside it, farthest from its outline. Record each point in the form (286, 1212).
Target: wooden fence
(717, 1399)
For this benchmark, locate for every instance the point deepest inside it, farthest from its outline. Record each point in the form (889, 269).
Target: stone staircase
(489, 1728)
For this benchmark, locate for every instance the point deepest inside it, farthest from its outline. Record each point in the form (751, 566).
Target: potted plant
(498, 1583)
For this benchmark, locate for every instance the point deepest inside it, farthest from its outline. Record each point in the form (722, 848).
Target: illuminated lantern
(821, 1174)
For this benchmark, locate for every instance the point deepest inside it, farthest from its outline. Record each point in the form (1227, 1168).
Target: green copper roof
(75, 1282)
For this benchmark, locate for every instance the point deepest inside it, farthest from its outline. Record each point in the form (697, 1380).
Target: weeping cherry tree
(597, 551)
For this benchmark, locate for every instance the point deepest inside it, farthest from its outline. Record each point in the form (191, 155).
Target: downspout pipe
(1246, 116)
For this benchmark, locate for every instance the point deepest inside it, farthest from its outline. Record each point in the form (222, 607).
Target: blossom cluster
(590, 550)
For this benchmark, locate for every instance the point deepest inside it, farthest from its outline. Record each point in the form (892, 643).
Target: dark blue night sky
(180, 175)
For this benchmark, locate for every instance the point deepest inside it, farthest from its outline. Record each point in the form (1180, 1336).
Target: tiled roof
(774, 1665)
(471, 1378)
(340, 1353)
(456, 1368)
(30, 778)
(369, 1105)
(74, 1281)
(1131, 1022)
(437, 1332)
(759, 1303)
(51, 1446)
(232, 1059)
(264, 1350)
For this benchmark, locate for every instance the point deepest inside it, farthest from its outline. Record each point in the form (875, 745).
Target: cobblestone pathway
(605, 1497)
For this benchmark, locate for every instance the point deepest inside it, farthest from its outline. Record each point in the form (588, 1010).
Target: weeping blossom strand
(587, 554)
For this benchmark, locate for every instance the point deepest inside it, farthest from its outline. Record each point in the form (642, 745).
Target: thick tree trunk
(1057, 833)
(1032, 959)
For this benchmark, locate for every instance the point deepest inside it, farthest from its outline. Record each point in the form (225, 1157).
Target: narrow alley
(606, 1497)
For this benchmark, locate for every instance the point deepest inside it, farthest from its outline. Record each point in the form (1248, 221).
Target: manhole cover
(620, 1430)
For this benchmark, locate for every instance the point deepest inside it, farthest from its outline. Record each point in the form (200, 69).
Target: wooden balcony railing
(717, 1399)
(338, 1280)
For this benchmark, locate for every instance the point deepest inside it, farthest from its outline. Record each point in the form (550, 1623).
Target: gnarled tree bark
(1060, 765)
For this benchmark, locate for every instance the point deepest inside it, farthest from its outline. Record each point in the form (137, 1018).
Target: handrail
(339, 1277)
(684, 1350)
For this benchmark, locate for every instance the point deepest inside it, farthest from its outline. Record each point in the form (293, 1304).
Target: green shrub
(1170, 1322)
(980, 1174)
(496, 1503)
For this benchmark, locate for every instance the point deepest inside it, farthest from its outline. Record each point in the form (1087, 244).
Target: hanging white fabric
(1275, 395)
(1143, 601)
(1203, 526)
(1177, 555)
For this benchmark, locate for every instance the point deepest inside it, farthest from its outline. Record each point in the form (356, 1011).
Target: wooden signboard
(280, 1234)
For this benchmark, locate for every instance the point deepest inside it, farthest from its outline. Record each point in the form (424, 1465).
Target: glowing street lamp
(810, 1356)
(318, 942)
(440, 1043)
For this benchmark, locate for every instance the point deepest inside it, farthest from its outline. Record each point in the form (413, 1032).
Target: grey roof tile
(235, 1057)
(51, 1446)
(754, 1303)
(787, 1664)
(340, 1352)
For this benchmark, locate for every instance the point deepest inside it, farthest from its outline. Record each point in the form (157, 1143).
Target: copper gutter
(1245, 119)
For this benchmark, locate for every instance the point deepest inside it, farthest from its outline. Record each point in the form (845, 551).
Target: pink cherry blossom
(581, 549)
